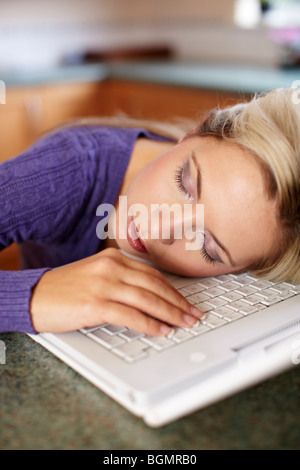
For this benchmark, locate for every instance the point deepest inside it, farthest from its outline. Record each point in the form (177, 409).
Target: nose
(166, 241)
(166, 224)
(183, 224)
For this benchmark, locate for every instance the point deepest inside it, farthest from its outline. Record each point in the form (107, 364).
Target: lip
(133, 237)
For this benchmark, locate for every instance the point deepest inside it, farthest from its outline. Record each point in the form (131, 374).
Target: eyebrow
(223, 248)
(198, 185)
(198, 182)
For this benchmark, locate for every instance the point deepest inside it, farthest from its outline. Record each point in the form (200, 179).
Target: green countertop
(46, 405)
(220, 77)
(233, 78)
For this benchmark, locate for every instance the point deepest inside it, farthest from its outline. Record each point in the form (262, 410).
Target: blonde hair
(269, 128)
(171, 130)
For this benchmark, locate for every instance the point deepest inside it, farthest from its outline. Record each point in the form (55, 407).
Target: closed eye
(179, 177)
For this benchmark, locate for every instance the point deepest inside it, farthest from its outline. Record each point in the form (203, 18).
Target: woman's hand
(111, 288)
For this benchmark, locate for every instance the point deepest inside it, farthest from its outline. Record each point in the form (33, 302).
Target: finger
(130, 262)
(130, 317)
(159, 286)
(130, 272)
(151, 304)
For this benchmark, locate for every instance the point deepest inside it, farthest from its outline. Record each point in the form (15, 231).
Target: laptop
(250, 332)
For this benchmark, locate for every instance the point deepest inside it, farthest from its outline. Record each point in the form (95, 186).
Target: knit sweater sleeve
(41, 194)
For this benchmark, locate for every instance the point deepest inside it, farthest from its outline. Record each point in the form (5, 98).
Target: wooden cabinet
(29, 111)
(156, 101)
(64, 102)
(17, 130)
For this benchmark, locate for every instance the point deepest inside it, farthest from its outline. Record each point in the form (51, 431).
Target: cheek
(149, 186)
(176, 259)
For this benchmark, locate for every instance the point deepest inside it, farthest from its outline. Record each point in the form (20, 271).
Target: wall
(41, 32)
(28, 11)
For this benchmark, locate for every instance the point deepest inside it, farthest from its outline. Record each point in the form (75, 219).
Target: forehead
(227, 165)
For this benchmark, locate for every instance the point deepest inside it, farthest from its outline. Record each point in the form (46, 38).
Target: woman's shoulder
(85, 136)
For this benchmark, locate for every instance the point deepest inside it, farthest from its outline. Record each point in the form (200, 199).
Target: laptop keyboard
(223, 299)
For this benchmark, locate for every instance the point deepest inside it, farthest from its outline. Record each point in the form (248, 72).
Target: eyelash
(205, 255)
(179, 184)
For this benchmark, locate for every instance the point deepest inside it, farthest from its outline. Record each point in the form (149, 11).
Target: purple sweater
(49, 195)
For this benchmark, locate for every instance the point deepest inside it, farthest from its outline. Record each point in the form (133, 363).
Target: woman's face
(239, 227)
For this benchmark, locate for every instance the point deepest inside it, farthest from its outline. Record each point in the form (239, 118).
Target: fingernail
(165, 330)
(189, 319)
(196, 312)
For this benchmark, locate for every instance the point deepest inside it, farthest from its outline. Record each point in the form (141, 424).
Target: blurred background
(64, 59)
(43, 32)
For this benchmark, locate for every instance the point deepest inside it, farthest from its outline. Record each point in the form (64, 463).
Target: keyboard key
(253, 299)
(109, 341)
(184, 282)
(266, 293)
(228, 286)
(88, 330)
(179, 335)
(233, 316)
(184, 292)
(130, 334)
(133, 348)
(238, 305)
(222, 311)
(261, 284)
(193, 289)
(135, 356)
(283, 288)
(204, 306)
(296, 289)
(231, 296)
(286, 295)
(246, 290)
(250, 309)
(208, 282)
(213, 321)
(197, 298)
(287, 285)
(214, 291)
(271, 301)
(225, 277)
(244, 280)
(199, 329)
(113, 329)
(158, 342)
(216, 302)
(260, 307)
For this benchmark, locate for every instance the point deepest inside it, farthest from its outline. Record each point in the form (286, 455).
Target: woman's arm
(41, 192)
(15, 297)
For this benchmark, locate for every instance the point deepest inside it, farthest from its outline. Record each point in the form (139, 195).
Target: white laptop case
(222, 355)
